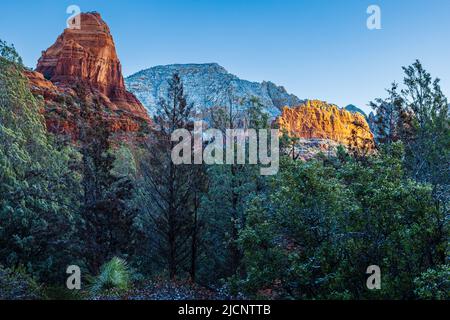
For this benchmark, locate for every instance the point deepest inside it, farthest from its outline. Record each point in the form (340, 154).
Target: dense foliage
(321, 224)
(17, 285)
(38, 203)
(309, 232)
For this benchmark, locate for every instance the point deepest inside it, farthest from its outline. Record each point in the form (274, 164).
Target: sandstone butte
(82, 65)
(318, 120)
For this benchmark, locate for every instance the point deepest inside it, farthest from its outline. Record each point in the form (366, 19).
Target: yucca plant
(114, 275)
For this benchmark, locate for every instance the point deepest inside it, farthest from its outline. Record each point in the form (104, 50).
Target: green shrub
(434, 284)
(17, 285)
(114, 275)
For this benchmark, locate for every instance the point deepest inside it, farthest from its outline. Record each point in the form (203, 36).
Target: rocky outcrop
(317, 120)
(65, 111)
(82, 67)
(208, 86)
(354, 109)
(40, 85)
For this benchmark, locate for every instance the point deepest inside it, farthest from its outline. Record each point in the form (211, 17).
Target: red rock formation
(64, 106)
(83, 65)
(319, 120)
(40, 85)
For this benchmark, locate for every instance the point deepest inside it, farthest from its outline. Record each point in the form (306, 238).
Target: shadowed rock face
(64, 107)
(88, 55)
(319, 120)
(82, 70)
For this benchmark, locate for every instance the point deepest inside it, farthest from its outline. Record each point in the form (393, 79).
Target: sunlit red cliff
(318, 120)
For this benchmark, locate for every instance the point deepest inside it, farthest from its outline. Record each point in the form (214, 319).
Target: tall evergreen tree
(230, 186)
(168, 192)
(108, 219)
(418, 116)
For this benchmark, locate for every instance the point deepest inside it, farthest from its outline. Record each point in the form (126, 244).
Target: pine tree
(108, 220)
(168, 192)
(388, 116)
(230, 185)
(418, 116)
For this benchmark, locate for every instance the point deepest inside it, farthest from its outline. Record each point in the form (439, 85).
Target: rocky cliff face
(319, 121)
(65, 106)
(82, 68)
(207, 86)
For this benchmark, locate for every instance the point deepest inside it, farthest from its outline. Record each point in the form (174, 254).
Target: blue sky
(315, 48)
